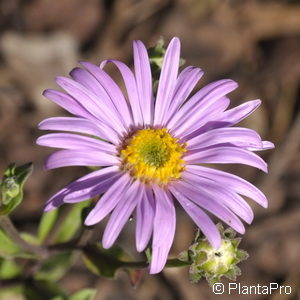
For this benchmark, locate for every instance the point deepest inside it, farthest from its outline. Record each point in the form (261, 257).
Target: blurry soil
(256, 43)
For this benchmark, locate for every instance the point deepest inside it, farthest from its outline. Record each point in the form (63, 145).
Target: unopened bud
(212, 263)
(11, 187)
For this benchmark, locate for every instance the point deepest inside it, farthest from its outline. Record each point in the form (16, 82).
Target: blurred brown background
(256, 43)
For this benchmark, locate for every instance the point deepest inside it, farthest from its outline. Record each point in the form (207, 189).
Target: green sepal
(184, 256)
(12, 186)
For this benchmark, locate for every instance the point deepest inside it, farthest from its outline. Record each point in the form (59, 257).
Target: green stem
(80, 244)
(134, 264)
(175, 263)
(171, 263)
(12, 232)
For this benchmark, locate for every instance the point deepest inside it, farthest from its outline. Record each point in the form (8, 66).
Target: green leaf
(11, 292)
(86, 294)
(46, 224)
(29, 238)
(11, 187)
(100, 262)
(104, 262)
(9, 249)
(55, 267)
(7, 246)
(43, 290)
(71, 223)
(9, 269)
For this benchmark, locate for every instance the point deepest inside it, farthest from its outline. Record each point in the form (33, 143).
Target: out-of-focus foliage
(104, 262)
(55, 267)
(46, 224)
(71, 223)
(9, 249)
(9, 269)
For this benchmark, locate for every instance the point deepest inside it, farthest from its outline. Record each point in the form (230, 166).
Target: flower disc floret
(153, 155)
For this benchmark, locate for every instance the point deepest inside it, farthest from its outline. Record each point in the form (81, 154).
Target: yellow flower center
(153, 155)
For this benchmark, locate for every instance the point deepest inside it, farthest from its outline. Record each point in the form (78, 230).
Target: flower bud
(11, 187)
(212, 263)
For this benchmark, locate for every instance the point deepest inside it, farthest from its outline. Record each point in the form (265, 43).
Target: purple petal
(131, 88)
(197, 107)
(68, 103)
(122, 212)
(143, 81)
(65, 158)
(238, 205)
(87, 80)
(238, 136)
(79, 125)
(108, 201)
(89, 193)
(167, 81)
(74, 142)
(144, 219)
(186, 82)
(228, 198)
(239, 113)
(200, 218)
(210, 202)
(91, 102)
(81, 189)
(159, 256)
(266, 145)
(201, 125)
(238, 184)
(113, 91)
(163, 229)
(226, 154)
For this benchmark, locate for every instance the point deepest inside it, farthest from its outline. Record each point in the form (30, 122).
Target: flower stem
(171, 263)
(12, 232)
(44, 252)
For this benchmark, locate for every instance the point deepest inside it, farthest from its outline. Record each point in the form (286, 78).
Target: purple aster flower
(153, 151)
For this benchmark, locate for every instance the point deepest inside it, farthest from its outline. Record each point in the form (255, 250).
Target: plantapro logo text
(237, 288)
